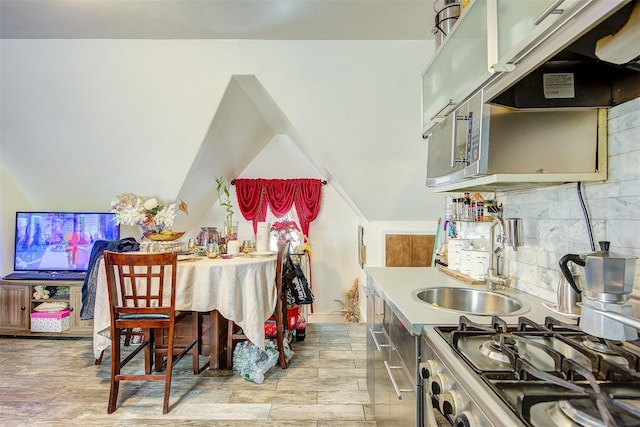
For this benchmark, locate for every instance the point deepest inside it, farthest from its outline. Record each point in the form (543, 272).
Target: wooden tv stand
(17, 303)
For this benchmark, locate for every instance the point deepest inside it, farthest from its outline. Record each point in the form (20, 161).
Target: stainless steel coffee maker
(607, 288)
(569, 295)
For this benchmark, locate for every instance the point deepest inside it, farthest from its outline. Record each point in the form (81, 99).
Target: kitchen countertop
(398, 286)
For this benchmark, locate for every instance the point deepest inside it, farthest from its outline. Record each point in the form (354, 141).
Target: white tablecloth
(242, 289)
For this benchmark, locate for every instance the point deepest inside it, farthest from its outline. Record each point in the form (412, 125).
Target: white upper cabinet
(521, 22)
(497, 38)
(458, 67)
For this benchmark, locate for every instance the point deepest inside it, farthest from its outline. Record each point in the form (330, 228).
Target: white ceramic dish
(265, 253)
(554, 308)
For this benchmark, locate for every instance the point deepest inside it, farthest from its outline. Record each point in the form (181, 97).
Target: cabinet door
(14, 307)
(521, 23)
(378, 382)
(75, 306)
(372, 339)
(403, 356)
(408, 250)
(459, 67)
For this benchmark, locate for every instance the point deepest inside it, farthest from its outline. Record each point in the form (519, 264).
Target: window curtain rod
(233, 182)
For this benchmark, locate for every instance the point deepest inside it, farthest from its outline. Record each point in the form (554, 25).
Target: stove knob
(440, 383)
(430, 368)
(465, 420)
(451, 403)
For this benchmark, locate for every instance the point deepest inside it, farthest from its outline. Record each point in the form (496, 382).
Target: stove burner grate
(499, 347)
(581, 379)
(597, 346)
(585, 413)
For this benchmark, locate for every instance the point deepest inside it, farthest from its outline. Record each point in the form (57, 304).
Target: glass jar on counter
(208, 235)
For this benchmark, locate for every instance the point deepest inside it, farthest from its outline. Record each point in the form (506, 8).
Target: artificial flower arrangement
(151, 215)
(288, 230)
(285, 229)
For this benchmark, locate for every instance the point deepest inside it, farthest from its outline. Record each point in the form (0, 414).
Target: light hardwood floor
(46, 382)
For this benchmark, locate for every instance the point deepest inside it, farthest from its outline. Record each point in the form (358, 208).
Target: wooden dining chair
(279, 317)
(142, 295)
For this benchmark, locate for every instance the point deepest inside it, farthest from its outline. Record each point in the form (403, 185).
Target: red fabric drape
(280, 195)
(251, 201)
(307, 202)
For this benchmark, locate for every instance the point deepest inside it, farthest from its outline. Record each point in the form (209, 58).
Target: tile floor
(46, 382)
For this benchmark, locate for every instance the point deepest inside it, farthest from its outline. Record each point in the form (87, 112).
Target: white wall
(137, 111)
(553, 222)
(10, 196)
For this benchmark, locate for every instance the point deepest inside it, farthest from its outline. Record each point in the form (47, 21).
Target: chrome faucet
(513, 239)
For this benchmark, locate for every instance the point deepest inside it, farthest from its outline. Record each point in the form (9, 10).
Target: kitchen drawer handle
(375, 339)
(397, 389)
(548, 11)
(449, 104)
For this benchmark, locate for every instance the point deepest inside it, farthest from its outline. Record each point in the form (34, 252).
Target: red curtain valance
(254, 195)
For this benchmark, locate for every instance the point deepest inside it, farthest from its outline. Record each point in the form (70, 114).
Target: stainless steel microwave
(483, 140)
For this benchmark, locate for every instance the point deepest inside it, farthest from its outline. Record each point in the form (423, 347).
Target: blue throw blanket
(127, 244)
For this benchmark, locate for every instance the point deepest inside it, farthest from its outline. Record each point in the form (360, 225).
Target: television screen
(60, 241)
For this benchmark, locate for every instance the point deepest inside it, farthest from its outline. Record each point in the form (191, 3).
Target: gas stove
(549, 374)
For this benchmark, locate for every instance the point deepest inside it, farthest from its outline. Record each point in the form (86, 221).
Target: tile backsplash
(553, 222)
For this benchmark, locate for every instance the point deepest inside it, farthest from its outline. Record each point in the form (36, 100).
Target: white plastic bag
(251, 362)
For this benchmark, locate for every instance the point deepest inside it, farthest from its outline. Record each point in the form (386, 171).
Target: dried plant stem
(351, 303)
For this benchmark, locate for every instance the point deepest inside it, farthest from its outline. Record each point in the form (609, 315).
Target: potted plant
(224, 199)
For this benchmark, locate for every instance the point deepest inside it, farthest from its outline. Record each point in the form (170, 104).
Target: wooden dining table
(241, 289)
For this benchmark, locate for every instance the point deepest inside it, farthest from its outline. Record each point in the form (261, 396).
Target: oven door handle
(397, 389)
(430, 416)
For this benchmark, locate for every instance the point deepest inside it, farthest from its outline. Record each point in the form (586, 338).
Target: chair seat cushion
(141, 316)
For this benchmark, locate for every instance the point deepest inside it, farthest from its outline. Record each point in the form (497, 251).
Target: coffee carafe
(569, 293)
(608, 286)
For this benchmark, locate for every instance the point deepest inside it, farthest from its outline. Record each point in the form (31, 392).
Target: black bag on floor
(298, 289)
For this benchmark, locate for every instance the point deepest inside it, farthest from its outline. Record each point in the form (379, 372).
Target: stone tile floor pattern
(45, 382)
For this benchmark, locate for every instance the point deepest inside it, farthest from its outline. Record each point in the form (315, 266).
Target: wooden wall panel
(408, 250)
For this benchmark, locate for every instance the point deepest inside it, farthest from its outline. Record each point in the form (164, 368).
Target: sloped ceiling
(239, 130)
(248, 118)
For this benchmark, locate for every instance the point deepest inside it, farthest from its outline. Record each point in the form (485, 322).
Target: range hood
(603, 65)
(599, 56)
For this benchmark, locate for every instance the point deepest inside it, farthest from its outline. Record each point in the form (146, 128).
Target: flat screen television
(59, 241)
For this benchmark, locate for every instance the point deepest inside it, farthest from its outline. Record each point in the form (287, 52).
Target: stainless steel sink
(472, 301)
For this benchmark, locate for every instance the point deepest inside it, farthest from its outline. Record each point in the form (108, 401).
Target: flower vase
(230, 228)
(146, 229)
